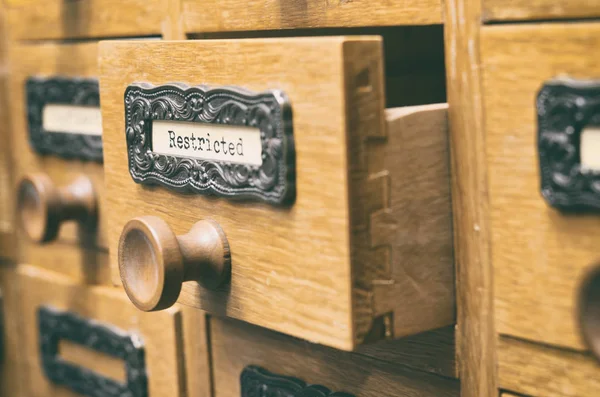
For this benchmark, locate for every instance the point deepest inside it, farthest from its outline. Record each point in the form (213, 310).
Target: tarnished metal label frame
(256, 381)
(55, 326)
(564, 108)
(41, 91)
(272, 182)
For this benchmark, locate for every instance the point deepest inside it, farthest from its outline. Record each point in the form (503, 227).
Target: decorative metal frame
(62, 90)
(55, 325)
(258, 382)
(564, 108)
(272, 182)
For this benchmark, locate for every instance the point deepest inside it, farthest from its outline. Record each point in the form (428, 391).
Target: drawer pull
(42, 207)
(569, 144)
(55, 326)
(154, 262)
(73, 128)
(589, 310)
(256, 381)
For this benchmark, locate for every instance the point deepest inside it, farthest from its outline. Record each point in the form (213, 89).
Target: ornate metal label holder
(272, 181)
(564, 108)
(62, 91)
(55, 326)
(256, 381)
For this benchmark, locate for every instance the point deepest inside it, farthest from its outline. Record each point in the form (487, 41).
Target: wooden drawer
(247, 358)
(361, 250)
(65, 168)
(539, 253)
(234, 15)
(523, 10)
(79, 340)
(58, 19)
(539, 370)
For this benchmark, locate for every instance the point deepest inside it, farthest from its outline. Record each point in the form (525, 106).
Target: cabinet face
(247, 357)
(308, 264)
(77, 337)
(540, 254)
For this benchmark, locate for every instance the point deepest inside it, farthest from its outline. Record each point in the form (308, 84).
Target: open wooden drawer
(315, 211)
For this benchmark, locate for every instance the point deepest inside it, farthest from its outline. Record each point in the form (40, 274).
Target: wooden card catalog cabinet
(251, 185)
(57, 146)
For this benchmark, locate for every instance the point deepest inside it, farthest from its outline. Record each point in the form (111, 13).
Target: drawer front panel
(347, 150)
(540, 253)
(233, 15)
(537, 370)
(92, 341)
(247, 358)
(522, 10)
(55, 19)
(57, 169)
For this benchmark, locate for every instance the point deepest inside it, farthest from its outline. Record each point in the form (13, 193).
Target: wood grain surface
(431, 351)
(237, 15)
(525, 10)
(538, 370)
(7, 240)
(56, 19)
(539, 254)
(322, 296)
(161, 333)
(475, 334)
(236, 345)
(11, 358)
(76, 60)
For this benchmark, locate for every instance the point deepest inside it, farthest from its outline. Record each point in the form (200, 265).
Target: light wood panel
(362, 248)
(75, 60)
(7, 241)
(161, 333)
(524, 10)
(236, 345)
(56, 19)
(11, 371)
(539, 370)
(475, 334)
(539, 254)
(237, 15)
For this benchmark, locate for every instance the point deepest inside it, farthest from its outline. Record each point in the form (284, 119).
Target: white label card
(590, 149)
(72, 119)
(216, 142)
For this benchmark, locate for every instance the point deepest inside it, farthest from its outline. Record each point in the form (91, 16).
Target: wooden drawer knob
(154, 262)
(42, 207)
(589, 310)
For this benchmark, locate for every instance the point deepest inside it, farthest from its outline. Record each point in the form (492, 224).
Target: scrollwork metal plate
(55, 326)
(564, 108)
(258, 382)
(68, 91)
(272, 182)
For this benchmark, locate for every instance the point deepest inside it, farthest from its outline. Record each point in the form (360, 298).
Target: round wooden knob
(42, 207)
(154, 262)
(589, 310)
